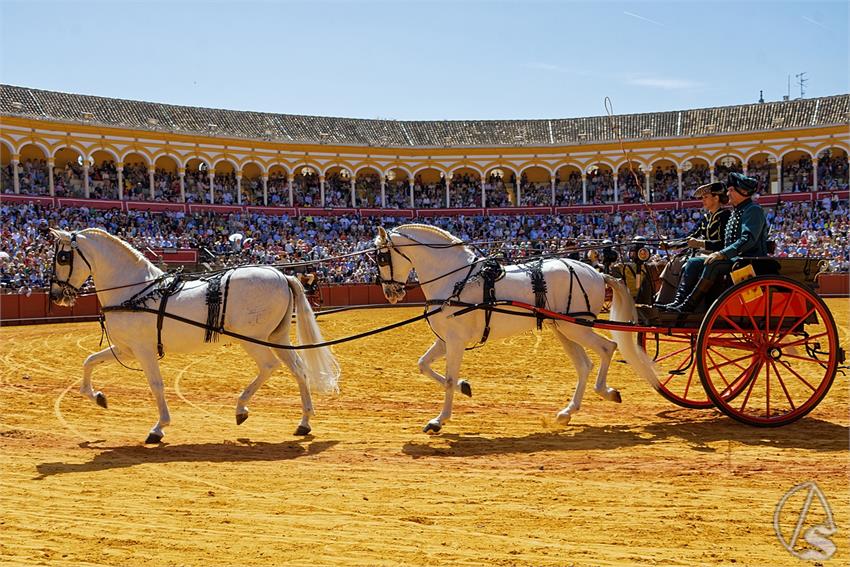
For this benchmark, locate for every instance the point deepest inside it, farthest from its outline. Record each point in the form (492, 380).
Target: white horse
(441, 261)
(259, 304)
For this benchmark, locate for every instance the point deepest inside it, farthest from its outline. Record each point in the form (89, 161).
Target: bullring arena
(640, 482)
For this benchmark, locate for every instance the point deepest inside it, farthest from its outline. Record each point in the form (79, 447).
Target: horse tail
(322, 367)
(623, 309)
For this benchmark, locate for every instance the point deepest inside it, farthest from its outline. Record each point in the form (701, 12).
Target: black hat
(717, 188)
(743, 184)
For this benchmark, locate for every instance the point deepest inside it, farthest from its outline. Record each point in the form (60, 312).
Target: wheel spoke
(729, 343)
(734, 361)
(747, 311)
(688, 383)
(753, 381)
(736, 327)
(803, 340)
(795, 373)
(803, 358)
(767, 390)
(782, 317)
(666, 356)
(782, 383)
(797, 324)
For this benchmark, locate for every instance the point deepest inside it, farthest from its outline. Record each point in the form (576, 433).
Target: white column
(679, 172)
(711, 172)
(583, 187)
(239, 189)
(646, 179)
(383, 192)
(50, 182)
(448, 188)
(412, 203)
(119, 167)
(552, 183)
(151, 182)
(86, 178)
(815, 174)
(321, 189)
(779, 177)
(290, 179)
(519, 192)
(181, 172)
(353, 193)
(483, 194)
(16, 179)
(212, 187)
(616, 188)
(265, 190)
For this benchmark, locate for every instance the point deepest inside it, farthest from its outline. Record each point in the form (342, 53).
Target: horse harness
(66, 258)
(172, 282)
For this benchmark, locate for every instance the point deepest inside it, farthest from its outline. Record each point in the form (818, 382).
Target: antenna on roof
(761, 97)
(802, 80)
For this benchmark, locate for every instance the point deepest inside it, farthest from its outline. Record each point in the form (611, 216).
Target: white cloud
(815, 22)
(664, 83)
(544, 66)
(644, 19)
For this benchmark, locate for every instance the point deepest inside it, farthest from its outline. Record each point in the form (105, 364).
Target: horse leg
(454, 357)
(93, 360)
(299, 370)
(150, 365)
(583, 366)
(603, 347)
(437, 351)
(266, 365)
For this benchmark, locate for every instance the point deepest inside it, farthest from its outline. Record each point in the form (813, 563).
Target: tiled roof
(139, 115)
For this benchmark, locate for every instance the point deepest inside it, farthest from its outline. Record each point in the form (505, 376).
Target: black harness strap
(160, 315)
(573, 276)
(491, 272)
(538, 286)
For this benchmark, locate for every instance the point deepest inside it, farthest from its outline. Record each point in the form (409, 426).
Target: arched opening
(338, 187)
(197, 181)
(726, 165)
(306, 187)
(535, 187)
(278, 187)
(224, 183)
(104, 176)
(631, 183)
(832, 169)
(397, 189)
(797, 173)
(166, 180)
(568, 186)
(68, 174)
(252, 184)
(7, 181)
(762, 167)
(429, 189)
(465, 189)
(600, 184)
(500, 190)
(695, 172)
(33, 175)
(367, 188)
(136, 179)
(665, 181)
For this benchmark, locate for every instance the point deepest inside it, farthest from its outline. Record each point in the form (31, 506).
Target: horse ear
(382, 233)
(60, 235)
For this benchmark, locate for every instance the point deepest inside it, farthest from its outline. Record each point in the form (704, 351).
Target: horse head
(71, 268)
(392, 263)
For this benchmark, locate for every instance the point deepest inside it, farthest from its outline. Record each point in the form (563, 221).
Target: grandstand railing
(157, 206)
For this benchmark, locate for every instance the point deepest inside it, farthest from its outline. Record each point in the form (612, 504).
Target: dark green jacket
(746, 232)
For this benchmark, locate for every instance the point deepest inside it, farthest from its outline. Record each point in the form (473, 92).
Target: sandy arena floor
(643, 482)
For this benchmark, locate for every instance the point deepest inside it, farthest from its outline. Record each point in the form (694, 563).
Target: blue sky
(428, 60)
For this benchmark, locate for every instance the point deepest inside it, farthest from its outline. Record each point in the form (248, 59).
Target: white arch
(789, 150)
(25, 143)
(263, 171)
(142, 153)
(474, 168)
(106, 150)
(434, 167)
(374, 168)
(754, 153)
(81, 151)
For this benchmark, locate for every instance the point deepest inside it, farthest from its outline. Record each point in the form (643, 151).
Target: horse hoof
(615, 397)
(240, 418)
(563, 418)
(465, 388)
(432, 427)
(100, 399)
(153, 439)
(303, 430)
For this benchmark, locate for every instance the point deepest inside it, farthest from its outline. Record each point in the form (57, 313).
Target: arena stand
(177, 181)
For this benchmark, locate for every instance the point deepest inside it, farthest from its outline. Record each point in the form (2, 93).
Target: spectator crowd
(817, 228)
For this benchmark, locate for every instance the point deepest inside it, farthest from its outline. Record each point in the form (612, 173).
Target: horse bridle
(384, 258)
(66, 258)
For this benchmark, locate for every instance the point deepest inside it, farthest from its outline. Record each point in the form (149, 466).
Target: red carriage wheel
(675, 361)
(767, 351)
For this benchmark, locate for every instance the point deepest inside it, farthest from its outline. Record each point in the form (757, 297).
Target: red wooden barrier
(9, 307)
(834, 284)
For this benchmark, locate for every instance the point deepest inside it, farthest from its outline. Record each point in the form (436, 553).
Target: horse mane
(136, 256)
(433, 230)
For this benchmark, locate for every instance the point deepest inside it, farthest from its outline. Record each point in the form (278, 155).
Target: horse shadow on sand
(678, 426)
(243, 451)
